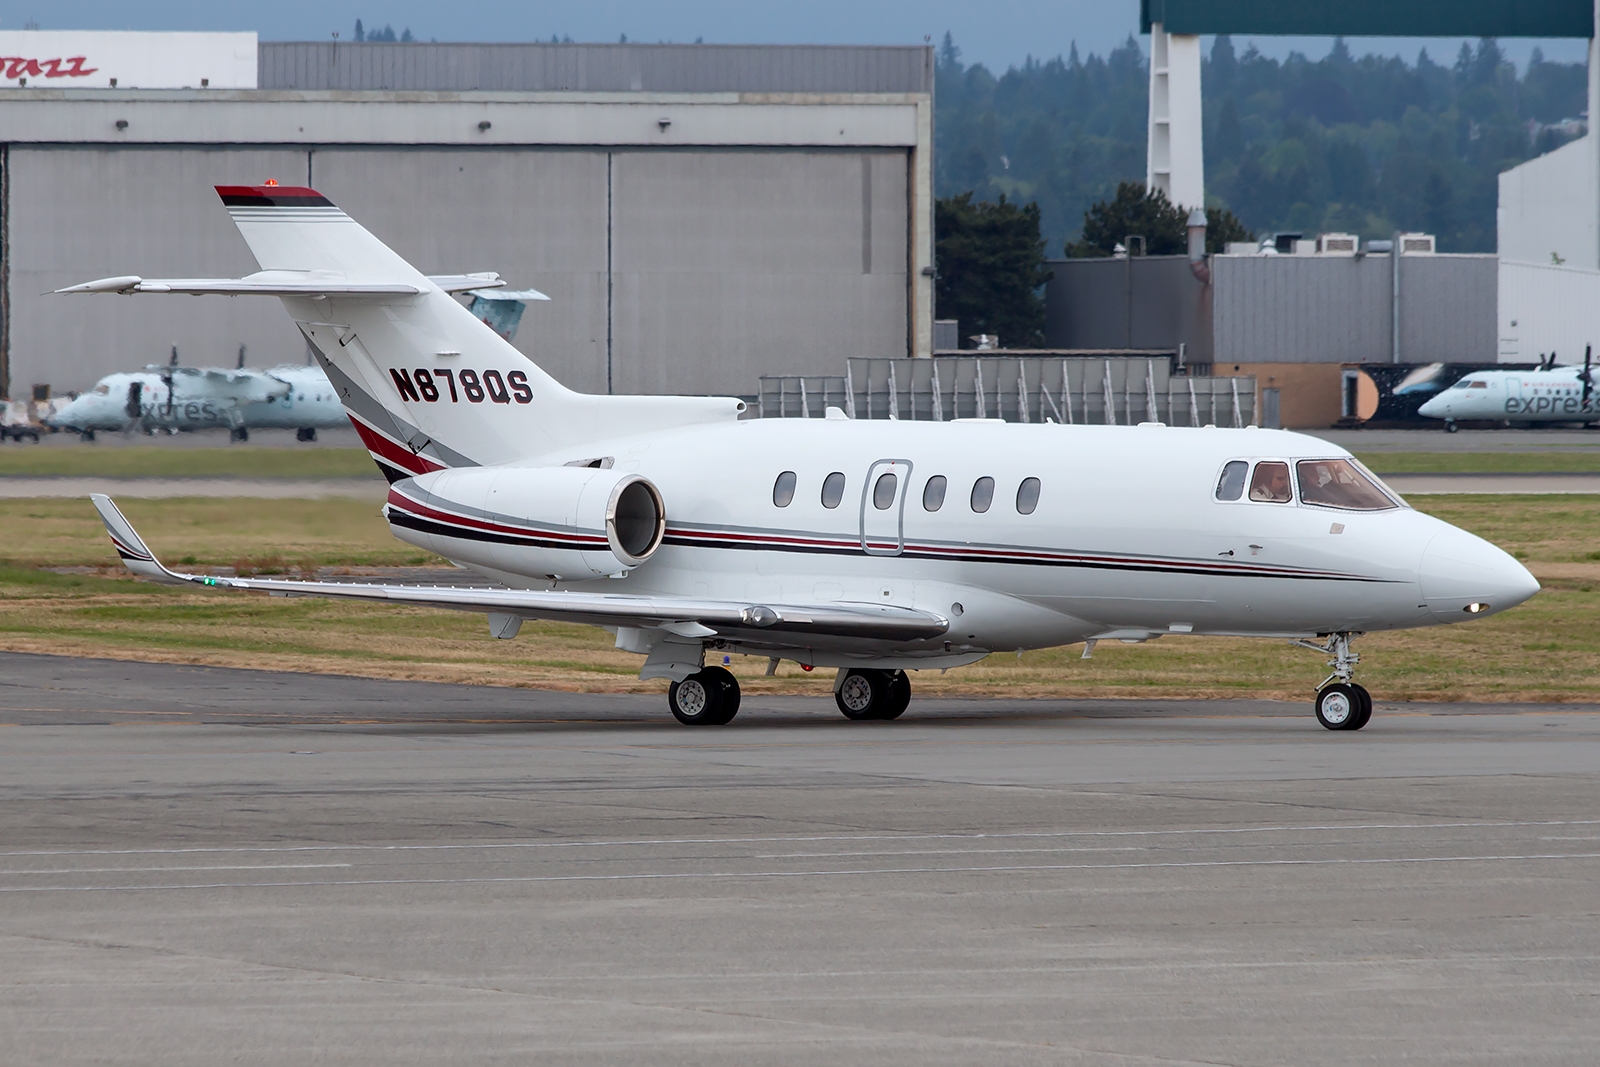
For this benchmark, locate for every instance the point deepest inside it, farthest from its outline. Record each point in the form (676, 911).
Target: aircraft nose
(1463, 576)
(1434, 408)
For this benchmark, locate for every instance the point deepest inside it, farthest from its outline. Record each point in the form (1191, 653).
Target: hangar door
(77, 213)
(535, 215)
(736, 263)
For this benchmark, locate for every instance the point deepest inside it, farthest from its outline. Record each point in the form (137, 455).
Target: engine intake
(566, 523)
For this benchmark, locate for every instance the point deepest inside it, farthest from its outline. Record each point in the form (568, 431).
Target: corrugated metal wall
(727, 263)
(1279, 309)
(1142, 302)
(663, 68)
(1301, 309)
(1327, 309)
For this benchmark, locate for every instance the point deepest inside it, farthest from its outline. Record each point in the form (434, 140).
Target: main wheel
(1366, 706)
(898, 697)
(730, 691)
(1339, 707)
(306, 433)
(699, 700)
(863, 694)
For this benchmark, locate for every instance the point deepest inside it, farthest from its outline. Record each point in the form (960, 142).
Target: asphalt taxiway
(202, 865)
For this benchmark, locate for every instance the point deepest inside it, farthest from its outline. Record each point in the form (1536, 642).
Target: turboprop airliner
(876, 548)
(1549, 394)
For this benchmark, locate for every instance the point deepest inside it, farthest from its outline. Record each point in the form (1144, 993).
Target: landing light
(1474, 608)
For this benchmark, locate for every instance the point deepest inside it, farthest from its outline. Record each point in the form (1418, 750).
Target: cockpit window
(1231, 485)
(1478, 385)
(102, 390)
(1472, 384)
(1271, 483)
(1338, 483)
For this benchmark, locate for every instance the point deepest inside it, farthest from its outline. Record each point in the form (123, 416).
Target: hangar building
(698, 214)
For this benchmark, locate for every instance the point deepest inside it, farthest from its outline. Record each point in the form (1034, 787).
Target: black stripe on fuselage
(397, 517)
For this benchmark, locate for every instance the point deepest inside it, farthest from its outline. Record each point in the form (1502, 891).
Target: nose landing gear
(1341, 704)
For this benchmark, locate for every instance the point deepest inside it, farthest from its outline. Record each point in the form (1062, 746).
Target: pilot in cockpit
(1271, 483)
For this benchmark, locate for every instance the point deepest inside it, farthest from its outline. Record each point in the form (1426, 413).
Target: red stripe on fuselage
(405, 503)
(384, 449)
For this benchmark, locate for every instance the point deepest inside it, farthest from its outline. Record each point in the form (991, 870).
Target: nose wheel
(1344, 706)
(1341, 704)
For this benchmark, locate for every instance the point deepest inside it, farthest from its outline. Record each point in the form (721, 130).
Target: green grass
(1481, 462)
(263, 535)
(1547, 649)
(155, 461)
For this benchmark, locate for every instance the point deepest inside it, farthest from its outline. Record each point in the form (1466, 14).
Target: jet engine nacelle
(569, 523)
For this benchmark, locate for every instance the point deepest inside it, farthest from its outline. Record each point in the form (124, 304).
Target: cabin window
(982, 494)
(1231, 485)
(1338, 483)
(1271, 483)
(783, 489)
(832, 490)
(1027, 496)
(933, 493)
(883, 491)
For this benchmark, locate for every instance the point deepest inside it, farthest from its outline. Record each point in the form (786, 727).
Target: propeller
(1588, 380)
(166, 377)
(241, 358)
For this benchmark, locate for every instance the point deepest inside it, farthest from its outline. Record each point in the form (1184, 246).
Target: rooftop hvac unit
(1336, 244)
(1416, 244)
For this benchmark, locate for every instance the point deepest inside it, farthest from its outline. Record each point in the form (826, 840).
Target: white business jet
(1549, 394)
(872, 547)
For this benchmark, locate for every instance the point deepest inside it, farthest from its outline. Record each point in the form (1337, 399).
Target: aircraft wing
(262, 283)
(685, 616)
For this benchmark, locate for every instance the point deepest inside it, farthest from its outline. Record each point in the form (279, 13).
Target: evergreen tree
(991, 268)
(1134, 211)
(1342, 143)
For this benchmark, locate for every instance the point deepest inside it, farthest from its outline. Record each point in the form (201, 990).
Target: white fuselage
(1127, 541)
(1556, 395)
(201, 399)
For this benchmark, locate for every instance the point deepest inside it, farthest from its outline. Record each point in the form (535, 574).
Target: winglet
(136, 555)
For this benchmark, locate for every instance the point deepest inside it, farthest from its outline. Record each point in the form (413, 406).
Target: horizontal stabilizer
(461, 283)
(680, 615)
(486, 285)
(262, 283)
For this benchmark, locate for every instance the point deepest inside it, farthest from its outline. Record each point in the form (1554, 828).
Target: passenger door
(883, 500)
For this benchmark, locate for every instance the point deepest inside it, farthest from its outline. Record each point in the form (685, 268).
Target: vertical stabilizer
(426, 384)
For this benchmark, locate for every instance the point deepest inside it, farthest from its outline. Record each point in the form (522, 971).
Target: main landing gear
(869, 693)
(709, 697)
(1341, 704)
